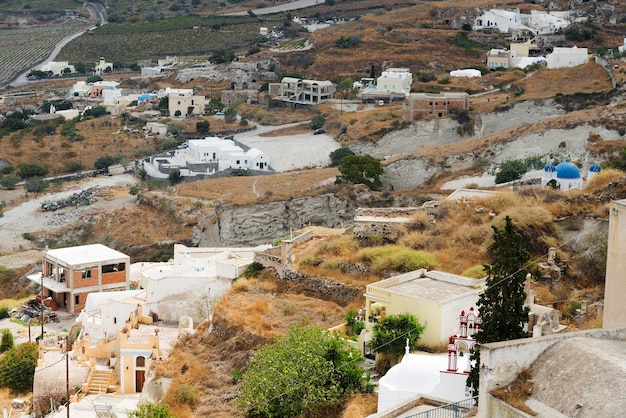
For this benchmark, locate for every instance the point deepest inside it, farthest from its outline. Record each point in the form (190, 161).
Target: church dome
(595, 168)
(567, 170)
(549, 168)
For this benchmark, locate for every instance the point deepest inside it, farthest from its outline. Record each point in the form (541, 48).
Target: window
(87, 274)
(77, 300)
(109, 268)
(140, 361)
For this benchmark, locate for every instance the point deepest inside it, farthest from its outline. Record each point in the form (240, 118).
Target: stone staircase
(99, 380)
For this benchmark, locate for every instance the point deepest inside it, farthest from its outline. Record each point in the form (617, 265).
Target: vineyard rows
(127, 44)
(22, 48)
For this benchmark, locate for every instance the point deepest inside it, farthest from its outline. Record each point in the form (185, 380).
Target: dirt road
(27, 217)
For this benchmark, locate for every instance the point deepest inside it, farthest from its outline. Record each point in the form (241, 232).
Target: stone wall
(263, 223)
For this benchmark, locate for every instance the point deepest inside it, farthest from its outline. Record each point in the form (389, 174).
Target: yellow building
(436, 298)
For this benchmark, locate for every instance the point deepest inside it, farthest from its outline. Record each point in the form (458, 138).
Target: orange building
(70, 274)
(439, 104)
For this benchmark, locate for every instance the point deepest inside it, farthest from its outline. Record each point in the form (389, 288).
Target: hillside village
(216, 221)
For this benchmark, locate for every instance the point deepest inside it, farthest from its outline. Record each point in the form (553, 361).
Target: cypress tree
(501, 306)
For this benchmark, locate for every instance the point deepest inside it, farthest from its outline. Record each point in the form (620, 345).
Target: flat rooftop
(93, 253)
(430, 289)
(432, 286)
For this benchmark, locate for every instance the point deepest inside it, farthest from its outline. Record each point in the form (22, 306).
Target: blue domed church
(566, 175)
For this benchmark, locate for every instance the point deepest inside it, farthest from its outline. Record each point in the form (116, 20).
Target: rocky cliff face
(411, 172)
(262, 223)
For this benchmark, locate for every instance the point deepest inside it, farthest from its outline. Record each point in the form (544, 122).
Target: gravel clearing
(28, 217)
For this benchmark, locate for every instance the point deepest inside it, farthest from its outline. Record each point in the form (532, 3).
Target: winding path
(96, 10)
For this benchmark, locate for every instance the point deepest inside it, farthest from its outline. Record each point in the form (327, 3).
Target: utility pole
(42, 306)
(67, 373)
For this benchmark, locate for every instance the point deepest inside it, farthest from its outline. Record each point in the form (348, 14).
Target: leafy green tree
(164, 103)
(175, 177)
(94, 78)
(9, 181)
(151, 410)
(230, 115)
(31, 170)
(347, 42)
(511, 170)
(390, 334)
(501, 305)
(80, 68)
(300, 373)
(339, 154)
(221, 56)
(95, 112)
(317, 122)
(360, 169)
(103, 163)
(17, 367)
(7, 340)
(345, 88)
(36, 185)
(71, 132)
(203, 126)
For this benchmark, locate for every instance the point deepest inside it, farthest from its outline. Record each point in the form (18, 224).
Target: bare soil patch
(258, 189)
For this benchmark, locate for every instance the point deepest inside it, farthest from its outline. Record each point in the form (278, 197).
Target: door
(140, 378)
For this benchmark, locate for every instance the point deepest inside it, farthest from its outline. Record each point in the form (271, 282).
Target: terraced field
(24, 47)
(184, 35)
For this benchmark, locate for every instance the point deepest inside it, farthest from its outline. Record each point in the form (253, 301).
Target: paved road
(294, 5)
(21, 79)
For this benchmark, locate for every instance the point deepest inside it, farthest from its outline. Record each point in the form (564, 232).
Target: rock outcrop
(262, 223)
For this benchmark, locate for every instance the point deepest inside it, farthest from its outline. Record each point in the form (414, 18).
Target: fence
(462, 409)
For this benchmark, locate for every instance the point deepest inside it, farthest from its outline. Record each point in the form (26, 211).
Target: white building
(395, 80)
(500, 19)
(567, 57)
(194, 279)
(565, 176)
(222, 154)
(537, 22)
(183, 102)
(468, 72)
(80, 89)
(156, 128)
(105, 313)
(546, 22)
(58, 68)
(102, 67)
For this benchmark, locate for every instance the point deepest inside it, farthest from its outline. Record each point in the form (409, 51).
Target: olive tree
(302, 372)
(360, 169)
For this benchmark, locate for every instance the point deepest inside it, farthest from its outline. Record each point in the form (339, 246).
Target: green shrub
(398, 258)
(347, 42)
(6, 342)
(17, 366)
(476, 272)
(253, 269)
(511, 170)
(4, 312)
(186, 394)
(317, 122)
